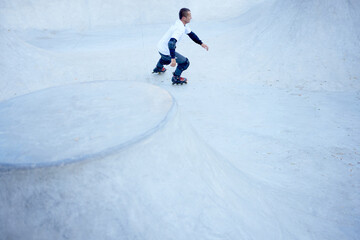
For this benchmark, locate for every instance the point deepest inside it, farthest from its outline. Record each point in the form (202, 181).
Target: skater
(167, 45)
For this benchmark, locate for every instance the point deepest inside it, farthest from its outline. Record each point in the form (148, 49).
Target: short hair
(183, 12)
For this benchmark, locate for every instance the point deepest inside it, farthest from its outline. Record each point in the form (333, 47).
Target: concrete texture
(262, 143)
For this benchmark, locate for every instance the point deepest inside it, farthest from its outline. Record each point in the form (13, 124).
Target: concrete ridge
(108, 151)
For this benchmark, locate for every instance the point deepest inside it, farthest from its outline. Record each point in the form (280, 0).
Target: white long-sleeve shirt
(176, 31)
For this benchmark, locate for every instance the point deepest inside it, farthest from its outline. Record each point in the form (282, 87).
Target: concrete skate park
(262, 143)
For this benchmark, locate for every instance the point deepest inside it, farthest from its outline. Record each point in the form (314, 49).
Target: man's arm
(197, 40)
(172, 46)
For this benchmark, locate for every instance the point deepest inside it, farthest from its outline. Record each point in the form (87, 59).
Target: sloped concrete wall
(83, 14)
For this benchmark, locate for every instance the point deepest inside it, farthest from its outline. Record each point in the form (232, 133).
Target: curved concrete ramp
(68, 14)
(78, 122)
(169, 186)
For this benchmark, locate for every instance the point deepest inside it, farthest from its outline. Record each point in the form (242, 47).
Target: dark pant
(183, 62)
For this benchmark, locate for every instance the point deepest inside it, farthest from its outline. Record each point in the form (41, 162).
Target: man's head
(185, 15)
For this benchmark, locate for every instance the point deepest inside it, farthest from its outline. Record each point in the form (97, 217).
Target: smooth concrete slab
(79, 121)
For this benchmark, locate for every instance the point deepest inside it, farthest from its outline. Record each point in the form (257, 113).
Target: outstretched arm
(197, 40)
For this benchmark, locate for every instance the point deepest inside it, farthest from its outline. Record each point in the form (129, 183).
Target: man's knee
(165, 61)
(185, 65)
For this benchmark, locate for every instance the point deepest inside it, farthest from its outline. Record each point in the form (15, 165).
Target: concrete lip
(81, 121)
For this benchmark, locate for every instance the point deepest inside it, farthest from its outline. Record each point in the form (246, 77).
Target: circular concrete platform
(71, 123)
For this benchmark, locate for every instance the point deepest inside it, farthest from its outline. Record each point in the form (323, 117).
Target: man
(167, 45)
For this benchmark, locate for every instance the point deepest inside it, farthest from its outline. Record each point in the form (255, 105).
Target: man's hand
(173, 62)
(205, 46)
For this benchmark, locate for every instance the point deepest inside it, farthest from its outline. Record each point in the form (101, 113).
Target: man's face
(187, 18)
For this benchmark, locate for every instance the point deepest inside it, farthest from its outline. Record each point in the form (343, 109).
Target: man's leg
(183, 64)
(164, 60)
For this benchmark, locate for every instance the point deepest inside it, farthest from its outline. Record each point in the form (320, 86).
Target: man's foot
(159, 70)
(178, 80)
